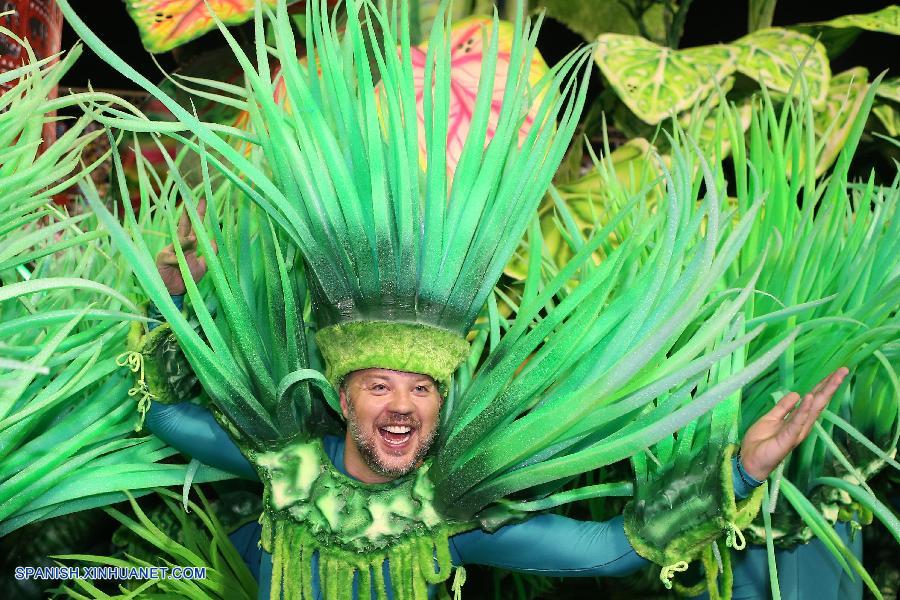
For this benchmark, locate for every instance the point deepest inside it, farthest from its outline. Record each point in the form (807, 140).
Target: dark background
(708, 22)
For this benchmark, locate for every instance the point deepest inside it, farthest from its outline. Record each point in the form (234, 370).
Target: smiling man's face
(392, 419)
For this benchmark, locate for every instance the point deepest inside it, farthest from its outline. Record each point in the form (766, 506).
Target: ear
(342, 394)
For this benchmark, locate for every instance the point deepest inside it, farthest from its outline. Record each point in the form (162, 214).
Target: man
(392, 419)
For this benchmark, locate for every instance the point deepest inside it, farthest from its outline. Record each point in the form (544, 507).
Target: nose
(401, 402)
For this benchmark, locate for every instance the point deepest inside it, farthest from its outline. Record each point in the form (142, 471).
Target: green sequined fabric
(309, 506)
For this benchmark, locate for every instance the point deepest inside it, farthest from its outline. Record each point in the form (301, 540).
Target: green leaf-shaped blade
(655, 81)
(845, 96)
(772, 57)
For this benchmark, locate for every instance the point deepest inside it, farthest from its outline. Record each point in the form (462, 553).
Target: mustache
(399, 419)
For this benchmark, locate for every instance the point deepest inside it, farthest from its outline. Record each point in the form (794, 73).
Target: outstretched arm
(557, 546)
(192, 430)
(189, 428)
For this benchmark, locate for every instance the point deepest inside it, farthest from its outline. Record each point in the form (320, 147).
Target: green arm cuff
(167, 372)
(676, 534)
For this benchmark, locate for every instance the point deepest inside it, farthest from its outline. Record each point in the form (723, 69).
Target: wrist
(750, 476)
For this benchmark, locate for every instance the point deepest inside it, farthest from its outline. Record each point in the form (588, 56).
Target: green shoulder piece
(309, 506)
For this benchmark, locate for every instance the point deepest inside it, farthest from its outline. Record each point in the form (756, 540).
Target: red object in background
(38, 21)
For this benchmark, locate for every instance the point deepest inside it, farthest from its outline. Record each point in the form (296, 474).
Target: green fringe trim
(414, 564)
(410, 347)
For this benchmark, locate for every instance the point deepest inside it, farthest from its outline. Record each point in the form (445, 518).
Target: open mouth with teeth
(396, 437)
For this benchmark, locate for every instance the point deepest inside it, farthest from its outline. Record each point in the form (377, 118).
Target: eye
(422, 389)
(378, 388)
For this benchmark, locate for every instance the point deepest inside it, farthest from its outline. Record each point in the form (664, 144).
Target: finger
(184, 223)
(167, 256)
(825, 391)
(812, 415)
(839, 374)
(215, 246)
(791, 432)
(189, 242)
(198, 269)
(783, 407)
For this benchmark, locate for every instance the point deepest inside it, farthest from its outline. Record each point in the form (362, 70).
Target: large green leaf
(655, 81)
(839, 34)
(886, 20)
(772, 57)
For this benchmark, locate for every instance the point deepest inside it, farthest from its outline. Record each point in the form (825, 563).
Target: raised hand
(773, 436)
(167, 263)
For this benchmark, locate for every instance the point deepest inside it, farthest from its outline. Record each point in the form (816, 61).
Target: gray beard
(367, 445)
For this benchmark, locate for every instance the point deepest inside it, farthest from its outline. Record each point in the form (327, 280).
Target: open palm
(773, 436)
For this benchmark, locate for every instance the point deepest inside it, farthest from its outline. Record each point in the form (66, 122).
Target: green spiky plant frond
(66, 416)
(384, 240)
(203, 543)
(249, 347)
(339, 176)
(832, 270)
(582, 387)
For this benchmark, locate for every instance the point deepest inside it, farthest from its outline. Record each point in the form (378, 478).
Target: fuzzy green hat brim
(410, 347)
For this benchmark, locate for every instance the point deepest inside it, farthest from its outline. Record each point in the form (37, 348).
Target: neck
(355, 465)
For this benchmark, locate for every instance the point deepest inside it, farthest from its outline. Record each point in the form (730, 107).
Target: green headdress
(400, 259)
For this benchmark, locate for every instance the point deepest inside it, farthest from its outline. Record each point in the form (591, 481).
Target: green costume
(599, 362)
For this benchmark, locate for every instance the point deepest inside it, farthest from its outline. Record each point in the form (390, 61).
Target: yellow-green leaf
(655, 81)
(890, 89)
(886, 20)
(889, 117)
(772, 57)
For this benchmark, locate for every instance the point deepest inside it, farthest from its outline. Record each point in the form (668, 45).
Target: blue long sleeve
(557, 546)
(805, 571)
(192, 430)
(552, 545)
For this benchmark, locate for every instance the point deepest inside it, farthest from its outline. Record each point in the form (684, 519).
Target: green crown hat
(401, 259)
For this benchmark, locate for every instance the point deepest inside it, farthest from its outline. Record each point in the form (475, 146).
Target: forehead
(366, 375)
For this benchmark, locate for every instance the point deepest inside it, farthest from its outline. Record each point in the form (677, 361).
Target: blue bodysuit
(547, 544)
